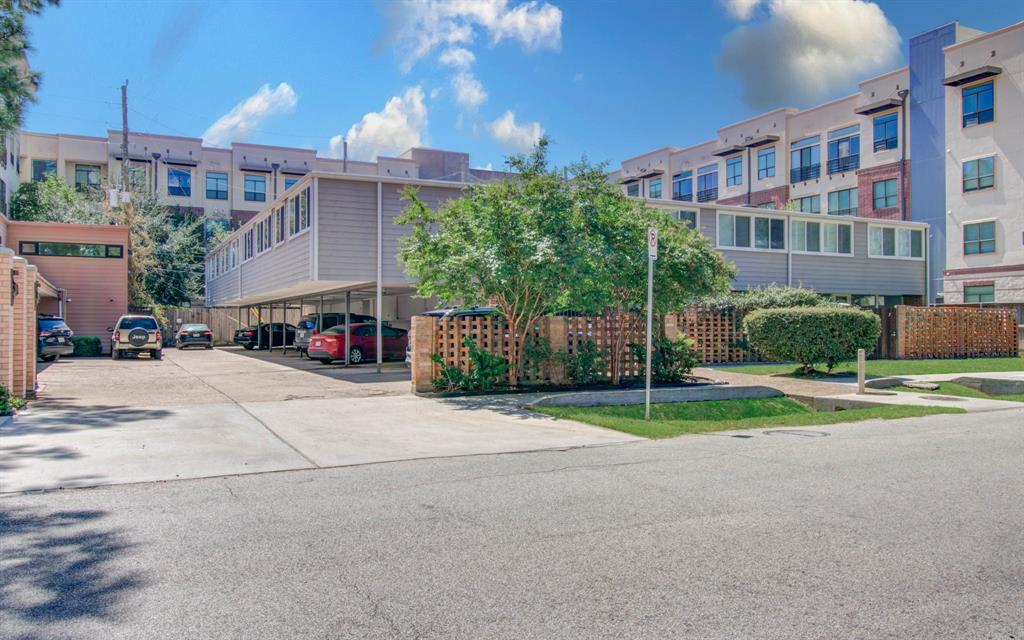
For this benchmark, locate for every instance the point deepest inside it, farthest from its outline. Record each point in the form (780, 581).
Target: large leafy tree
(54, 200)
(18, 82)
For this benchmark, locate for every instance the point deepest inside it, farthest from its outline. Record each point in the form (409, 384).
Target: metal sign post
(652, 255)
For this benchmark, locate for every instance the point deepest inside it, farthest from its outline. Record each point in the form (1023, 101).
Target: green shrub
(770, 297)
(671, 361)
(9, 403)
(487, 371)
(585, 365)
(812, 335)
(87, 346)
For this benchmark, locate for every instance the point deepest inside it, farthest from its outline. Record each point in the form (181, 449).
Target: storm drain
(803, 433)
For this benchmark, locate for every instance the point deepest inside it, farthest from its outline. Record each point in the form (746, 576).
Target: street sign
(652, 255)
(652, 243)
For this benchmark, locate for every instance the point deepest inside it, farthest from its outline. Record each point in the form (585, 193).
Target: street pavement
(901, 529)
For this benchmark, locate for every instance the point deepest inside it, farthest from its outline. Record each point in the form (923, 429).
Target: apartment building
(10, 161)
(919, 143)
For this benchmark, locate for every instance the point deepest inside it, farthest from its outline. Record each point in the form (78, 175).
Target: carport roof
(314, 289)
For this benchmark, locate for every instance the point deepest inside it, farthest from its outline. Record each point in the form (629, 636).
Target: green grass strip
(882, 368)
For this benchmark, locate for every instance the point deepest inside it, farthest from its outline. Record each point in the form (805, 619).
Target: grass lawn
(882, 368)
(677, 418)
(954, 389)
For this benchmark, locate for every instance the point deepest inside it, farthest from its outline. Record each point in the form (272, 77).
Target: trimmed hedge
(812, 335)
(87, 346)
(770, 297)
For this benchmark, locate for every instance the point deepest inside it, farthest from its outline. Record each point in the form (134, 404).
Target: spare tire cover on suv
(138, 337)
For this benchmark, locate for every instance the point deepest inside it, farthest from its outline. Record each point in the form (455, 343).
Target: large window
(43, 168)
(807, 204)
(979, 174)
(179, 182)
(978, 104)
(734, 171)
(248, 246)
(279, 225)
(70, 250)
(87, 176)
(633, 189)
(682, 186)
(895, 242)
(883, 194)
(886, 132)
(766, 163)
(264, 234)
(256, 188)
(844, 150)
(822, 237)
(304, 215)
(707, 183)
(687, 217)
(980, 293)
(654, 188)
(842, 202)
(805, 160)
(979, 237)
(758, 232)
(216, 185)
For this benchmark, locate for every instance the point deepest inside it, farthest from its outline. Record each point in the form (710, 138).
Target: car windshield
(306, 324)
(194, 327)
(149, 324)
(52, 324)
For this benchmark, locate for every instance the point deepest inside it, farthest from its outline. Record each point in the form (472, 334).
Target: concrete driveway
(223, 412)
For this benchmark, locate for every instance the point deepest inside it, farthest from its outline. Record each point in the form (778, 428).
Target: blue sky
(605, 79)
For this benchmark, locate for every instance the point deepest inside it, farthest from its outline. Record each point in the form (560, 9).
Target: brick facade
(6, 319)
(865, 191)
(239, 217)
(779, 197)
(17, 324)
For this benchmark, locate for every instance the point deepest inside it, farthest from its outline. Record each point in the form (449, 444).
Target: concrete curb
(636, 396)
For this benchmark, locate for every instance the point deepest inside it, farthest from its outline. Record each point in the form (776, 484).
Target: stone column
(6, 319)
(558, 334)
(421, 336)
(670, 325)
(31, 330)
(20, 313)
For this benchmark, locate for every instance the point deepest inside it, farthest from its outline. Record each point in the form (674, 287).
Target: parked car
(330, 345)
(309, 326)
(54, 338)
(282, 333)
(135, 334)
(448, 312)
(198, 335)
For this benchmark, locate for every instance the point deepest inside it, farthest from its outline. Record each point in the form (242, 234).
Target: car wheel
(115, 354)
(247, 347)
(326, 360)
(209, 346)
(157, 354)
(355, 355)
(49, 358)
(179, 347)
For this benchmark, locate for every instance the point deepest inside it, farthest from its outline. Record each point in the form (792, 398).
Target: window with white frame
(233, 253)
(895, 242)
(304, 214)
(751, 232)
(260, 245)
(822, 237)
(293, 216)
(279, 224)
(247, 246)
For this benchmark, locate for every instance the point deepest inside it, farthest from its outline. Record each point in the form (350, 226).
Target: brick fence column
(421, 336)
(20, 314)
(6, 319)
(670, 325)
(31, 330)
(558, 334)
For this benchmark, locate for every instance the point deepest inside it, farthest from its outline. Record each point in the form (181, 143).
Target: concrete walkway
(789, 386)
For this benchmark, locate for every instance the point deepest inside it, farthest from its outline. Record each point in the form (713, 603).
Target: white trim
(924, 242)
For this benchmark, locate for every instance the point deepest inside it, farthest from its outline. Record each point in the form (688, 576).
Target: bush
(584, 366)
(486, 371)
(87, 346)
(770, 297)
(671, 361)
(812, 335)
(9, 403)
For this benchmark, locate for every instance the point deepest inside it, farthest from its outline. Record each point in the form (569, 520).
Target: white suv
(135, 334)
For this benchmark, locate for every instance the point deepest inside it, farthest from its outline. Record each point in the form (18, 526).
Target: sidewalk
(788, 386)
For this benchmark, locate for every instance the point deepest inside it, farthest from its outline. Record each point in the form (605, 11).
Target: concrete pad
(363, 430)
(61, 449)
(881, 398)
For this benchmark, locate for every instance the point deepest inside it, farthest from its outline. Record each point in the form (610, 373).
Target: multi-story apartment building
(10, 160)
(919, 143)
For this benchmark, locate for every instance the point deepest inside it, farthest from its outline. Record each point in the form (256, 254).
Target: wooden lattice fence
(955, 332)
(717, 334)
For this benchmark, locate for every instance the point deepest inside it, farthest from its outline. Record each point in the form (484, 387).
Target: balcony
(707, 195)
(684, 197)
(844, 163)
(852, 211)
(881, 144)
(805, 173)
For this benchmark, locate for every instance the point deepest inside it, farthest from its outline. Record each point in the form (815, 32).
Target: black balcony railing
(805, 173)
(707, 195)
(844, 164)
(881, 144)
(683, 197)
(852, 211)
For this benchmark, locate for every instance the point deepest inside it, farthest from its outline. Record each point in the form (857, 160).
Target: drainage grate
(795, 432)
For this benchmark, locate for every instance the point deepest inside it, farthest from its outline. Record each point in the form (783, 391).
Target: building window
(247, 248)
(766, 163)
(179, 182)
(256, 188)
(43, 168)
(87, 176)
(806, 235)
(279, 224)
(977, 104)
(288, 182)
(979, 174)
(735, 231)
(844, 150)
(70, 250)
(895, 242)
(633, 190)
(707, 183)
(654, 188)
(304, 209)
(822, 237)
(843, 202)
(293, 216)
(979, 237)
(3, 203)
(807, 204)
(883, 194)
(216, 185)
(682, 186)
(980, 293)
(805, 160)
(687, 217)
(769, 233)
(734, 171)
(886, 132)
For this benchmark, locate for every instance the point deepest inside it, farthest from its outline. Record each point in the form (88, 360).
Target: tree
(18, 83)
(54, 200)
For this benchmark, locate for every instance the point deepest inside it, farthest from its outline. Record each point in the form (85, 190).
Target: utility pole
(124, 138)
(652, 255)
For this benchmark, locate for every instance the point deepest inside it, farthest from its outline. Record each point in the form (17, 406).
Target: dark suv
(54, 338)
(309, 326)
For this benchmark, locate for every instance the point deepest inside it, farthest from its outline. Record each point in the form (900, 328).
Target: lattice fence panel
(604, 332)
(717, 334)
(956, 332)
(489, 333)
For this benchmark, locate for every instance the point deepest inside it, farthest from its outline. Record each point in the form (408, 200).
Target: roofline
(713, 143)
(268, 146)
(668, 148)
(984, 36)
(22, 132)
(117, 132)
(885, 75)
(824, 105)
(758, 116)
(751, 210)
(120, 228)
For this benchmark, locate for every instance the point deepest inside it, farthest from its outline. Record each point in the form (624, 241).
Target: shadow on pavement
(58, 567)
(14, 456)
(57, 415)
(391, 370)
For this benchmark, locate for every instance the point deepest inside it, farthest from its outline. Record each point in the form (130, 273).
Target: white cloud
(799, 55)
(247, 115)
(741, 9)
(401, 124)
(458, 57)
(514, 136)
(469, 93)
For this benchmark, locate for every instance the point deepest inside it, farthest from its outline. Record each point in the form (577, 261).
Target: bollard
(860, 370)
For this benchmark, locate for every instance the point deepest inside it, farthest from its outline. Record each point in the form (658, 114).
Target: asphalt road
(912, 529)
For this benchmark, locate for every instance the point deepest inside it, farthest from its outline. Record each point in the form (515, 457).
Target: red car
(330, 345)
